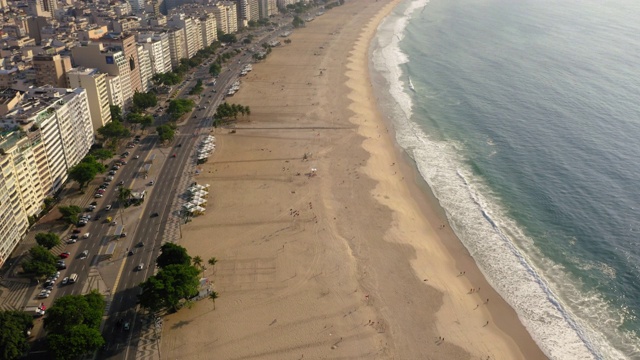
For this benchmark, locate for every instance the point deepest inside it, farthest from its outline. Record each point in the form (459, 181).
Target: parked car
(71, 241)
(107, 208)
(74, 236)
(112, 172)
(86, 235)
(65, 281)
(65, 254)
(140, 244)
(97, 195)
(95, 202)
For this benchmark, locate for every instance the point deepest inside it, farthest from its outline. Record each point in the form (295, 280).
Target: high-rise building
(115, 92)
(242, 9)
(226, 17)
(111, 61)
(95, 83)
(157, 44)
(127, 43)
(192, 32)
(209, 29)
(55, 134)
(51, 70)
(145, 68)
(177, 46)
(253, 10)
(137, 6)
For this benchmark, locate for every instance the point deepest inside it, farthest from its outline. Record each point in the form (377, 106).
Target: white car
(71, 241)
(65, 281)
(86, 235)
(137, 157)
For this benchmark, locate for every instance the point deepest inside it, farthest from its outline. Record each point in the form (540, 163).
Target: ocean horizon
(521, 117)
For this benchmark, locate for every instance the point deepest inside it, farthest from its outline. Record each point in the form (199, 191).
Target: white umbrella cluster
(196, 205)
(207, 146)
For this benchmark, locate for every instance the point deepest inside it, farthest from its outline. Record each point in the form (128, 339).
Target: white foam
(506, 256)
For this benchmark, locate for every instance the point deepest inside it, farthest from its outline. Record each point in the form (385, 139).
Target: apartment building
(157, 44)
(177, 47)
(146, 73)
(126, 43)
(253, 10)
(13, 221)
(115, 91)
(209, 29)
(51, 70)
(192, 32)
(54, 133)
(111, 61)
(242, 8)
(95, 83)
(226, 17)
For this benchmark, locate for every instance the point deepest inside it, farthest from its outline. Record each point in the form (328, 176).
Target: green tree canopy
(172, 254)
(116, 113)
(179, 107)
(114, 130)
(228, 38)
(85, 172)
(144, 100)
(41, 262)
(70, 213)
(297, 22)
(124, 194)
(168, 78)
(169, 286)
(197, 89)
(73, 323)
(13, 337)
(215, 68)
(165, 132)
(48, 240)
(102, 154)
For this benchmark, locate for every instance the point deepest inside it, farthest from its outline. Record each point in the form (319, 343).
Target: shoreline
(292, 248)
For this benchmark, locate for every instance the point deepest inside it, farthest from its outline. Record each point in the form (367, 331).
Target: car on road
(71, 241)
(125, 154)
(124, 234)
(95, 202)
(137, 157)
(150, 183)
(86, 235)
(112, 172)
(75, 231)
(107, 208)
(155, 214)
(126, 326)
(140, 244)
(65, 281)
(140, 267)
(65, 254)
(131, 252)
(179, 145)
(61, 266)
(97, 195)
(43, 294)
(91, 208)
(98, 217)
(121, 182)
(109, 178)
(84, 254)
(100, 191)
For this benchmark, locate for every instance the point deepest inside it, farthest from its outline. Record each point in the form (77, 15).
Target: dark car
(155, 214)
(74, 236)
(95, 202)
(179, 145)
(121, 182)
(131, 252)
(76, 231)
(140, 244)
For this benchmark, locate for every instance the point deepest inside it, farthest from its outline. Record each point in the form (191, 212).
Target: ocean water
(525, 123)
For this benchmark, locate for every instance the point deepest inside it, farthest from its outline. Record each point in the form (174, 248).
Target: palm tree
(197, 261)
(212, 261)
(213, 296)
(124, 194)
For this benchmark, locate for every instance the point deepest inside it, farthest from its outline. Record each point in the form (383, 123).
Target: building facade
(51, 70)
(95, 83)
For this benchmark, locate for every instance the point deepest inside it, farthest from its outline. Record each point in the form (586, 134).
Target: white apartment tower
(157, 44)
(95, 83)
(108, 60)
(226, 17)
(146, 73)
(177, 48)
(192, 32)
(209, 29)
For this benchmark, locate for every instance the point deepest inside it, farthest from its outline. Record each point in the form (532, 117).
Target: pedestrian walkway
(149, 340)
(13, 294)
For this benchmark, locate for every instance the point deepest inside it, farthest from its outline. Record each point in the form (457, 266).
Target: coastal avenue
(123, 344)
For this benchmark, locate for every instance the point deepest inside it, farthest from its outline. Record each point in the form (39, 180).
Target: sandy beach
(351, 261)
